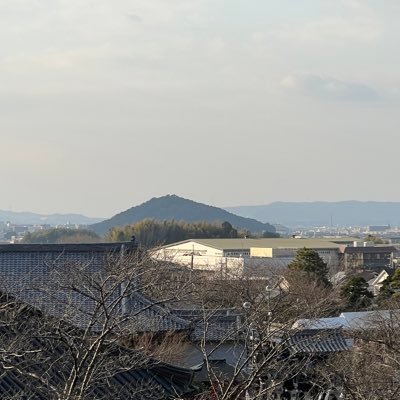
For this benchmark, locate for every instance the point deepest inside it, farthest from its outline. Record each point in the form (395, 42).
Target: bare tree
(266, 358)
(371, 370)
(68, 342)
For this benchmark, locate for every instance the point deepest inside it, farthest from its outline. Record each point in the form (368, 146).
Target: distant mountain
(172, 207)
(321, 213)
(29, 218)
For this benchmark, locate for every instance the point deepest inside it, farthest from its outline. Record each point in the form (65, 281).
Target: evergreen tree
(355, 292)
(375, 239)
(310, 262)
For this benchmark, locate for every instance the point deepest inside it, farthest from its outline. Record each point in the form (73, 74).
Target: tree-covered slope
(172, 207)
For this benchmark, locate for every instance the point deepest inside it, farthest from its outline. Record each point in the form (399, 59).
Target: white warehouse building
(217, 254)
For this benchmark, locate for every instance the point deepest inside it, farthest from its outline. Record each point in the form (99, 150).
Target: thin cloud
(328, 88)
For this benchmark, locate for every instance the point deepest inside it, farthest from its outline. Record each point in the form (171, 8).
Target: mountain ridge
(173, 207)
(319, 213)
(31, 218)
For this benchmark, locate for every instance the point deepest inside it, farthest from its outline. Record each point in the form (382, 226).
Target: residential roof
(38, 274)
(368, 319)
(318, 341)
(382, 276)
(349, 320)
(155, 318)
(219, 369)
(242, 243)
(215, 325)
(68, 247)
(44, 353)
(320, 323)
(28, 273)
(155, 381)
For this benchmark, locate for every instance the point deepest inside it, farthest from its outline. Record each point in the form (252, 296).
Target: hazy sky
(105, 104)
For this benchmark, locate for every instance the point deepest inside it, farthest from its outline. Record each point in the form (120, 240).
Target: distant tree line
(61, 235)
(375, 239)
(150, 232)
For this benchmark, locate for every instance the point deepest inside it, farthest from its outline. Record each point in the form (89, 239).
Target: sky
(106, 104)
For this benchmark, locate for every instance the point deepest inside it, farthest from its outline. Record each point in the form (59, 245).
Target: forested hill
(176, 208)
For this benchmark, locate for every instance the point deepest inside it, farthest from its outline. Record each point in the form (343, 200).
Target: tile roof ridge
(161, 309)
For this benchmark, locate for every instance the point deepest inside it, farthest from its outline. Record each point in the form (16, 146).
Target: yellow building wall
(261, 252)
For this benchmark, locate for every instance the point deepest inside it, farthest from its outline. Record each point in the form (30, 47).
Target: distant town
(14, 233)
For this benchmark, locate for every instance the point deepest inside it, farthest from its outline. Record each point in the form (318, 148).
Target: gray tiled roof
(29, 272)
(154, 381)
(218, 368)
(128, 374)
(318, 341)
(214, 325)
(154, 317)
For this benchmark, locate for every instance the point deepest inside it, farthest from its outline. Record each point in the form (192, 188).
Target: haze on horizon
(227, 102)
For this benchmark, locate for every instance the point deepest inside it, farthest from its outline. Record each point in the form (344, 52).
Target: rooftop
(318, 341)
(243, 243)
(48, 278)
(370, 249)
(68, 247)
(350, 320)
(46, 353)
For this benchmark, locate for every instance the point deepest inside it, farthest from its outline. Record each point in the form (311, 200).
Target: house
(375, 284)
(216, 334)
(307, 348)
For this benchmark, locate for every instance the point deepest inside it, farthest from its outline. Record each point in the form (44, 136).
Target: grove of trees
(61, 235)
(150, 232)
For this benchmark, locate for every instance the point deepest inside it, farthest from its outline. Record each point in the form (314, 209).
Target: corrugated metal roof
(241, 243)
(350, 320)
(368, 319)
(320, 323)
